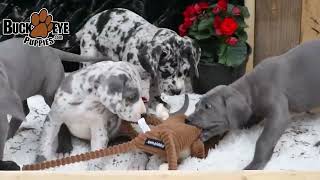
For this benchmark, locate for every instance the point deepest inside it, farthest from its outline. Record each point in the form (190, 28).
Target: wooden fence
(282, 24)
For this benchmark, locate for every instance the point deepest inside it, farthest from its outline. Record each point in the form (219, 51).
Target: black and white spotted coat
(92, 102)
(163, 58)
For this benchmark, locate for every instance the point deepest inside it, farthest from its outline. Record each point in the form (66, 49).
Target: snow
(295, 150)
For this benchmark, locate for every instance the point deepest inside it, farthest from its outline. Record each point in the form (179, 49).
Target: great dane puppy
(162, 57)
(24, 72)
(91, 103)
(277, 86)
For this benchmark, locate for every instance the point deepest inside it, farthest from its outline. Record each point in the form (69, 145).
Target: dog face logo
(42, 23)
(41, 31)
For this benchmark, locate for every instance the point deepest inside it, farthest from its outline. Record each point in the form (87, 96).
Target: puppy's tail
(71, 57)
(184, 107)
(73, 40)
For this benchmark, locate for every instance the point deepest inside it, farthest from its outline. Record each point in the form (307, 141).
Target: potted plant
(219, 29)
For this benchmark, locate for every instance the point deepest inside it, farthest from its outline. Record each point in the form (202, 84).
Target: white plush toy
(162, 112)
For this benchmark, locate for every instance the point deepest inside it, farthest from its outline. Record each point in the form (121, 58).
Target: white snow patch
(294, 151)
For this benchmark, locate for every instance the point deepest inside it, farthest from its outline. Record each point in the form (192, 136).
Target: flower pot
(214, 74)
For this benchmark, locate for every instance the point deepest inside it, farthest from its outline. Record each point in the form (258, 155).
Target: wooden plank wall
(310, 23)
(277, 27)
(250, 21)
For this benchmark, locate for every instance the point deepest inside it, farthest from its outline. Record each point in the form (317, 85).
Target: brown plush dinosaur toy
(167, 138)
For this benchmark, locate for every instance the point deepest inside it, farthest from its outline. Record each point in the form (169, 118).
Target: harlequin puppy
(26, 71)
(160, 55)
(91, 102)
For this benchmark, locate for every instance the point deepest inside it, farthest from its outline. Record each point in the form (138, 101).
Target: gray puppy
(277, 86)
(24, 72)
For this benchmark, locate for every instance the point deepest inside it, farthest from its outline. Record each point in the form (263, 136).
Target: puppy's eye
(163, 55)
(208, 106)
(131, 98)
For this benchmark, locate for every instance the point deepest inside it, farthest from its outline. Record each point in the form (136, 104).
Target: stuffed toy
(169, 139)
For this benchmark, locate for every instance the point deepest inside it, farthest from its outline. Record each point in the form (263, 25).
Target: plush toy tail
(121, 148)
(184, 107)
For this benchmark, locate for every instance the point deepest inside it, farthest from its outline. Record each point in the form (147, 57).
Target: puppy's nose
(176, 91)
(187, 121)
(145, 100)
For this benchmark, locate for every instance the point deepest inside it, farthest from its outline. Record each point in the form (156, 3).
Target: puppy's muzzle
(176, 91)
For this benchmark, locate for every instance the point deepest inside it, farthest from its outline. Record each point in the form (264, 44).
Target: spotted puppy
(91, 102)
(160, 55)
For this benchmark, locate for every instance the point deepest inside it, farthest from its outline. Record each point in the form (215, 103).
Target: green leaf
(213, 5)
(244, 11)
(205, 24)
(242, 24)
(234, 55)
(221, 54)
(194, 27)
(242, 35)
(229, 9)
(200, 35)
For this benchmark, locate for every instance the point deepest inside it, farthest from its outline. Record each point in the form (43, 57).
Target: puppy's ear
(237, 109)
(111, 93)
(192, 51)
(116, 84)
(146, 60)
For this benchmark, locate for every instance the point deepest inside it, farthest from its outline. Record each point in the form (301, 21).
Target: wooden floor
(162, 175)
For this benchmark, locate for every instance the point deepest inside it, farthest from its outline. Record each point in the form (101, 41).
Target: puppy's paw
(164, 167)
(40, 158)
(63, 155)
(154, 162)
(255, 166)
(64, 148)
(9, 166)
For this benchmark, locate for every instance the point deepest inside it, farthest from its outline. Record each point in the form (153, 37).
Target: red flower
(232, 41)
(216, 10)
(222, 4)
(195, 9)
(190, 15)
(201, 6)
(188, 22)
(218, 32)
(182, 30)
(228, 26)
(236, 11)
(216, 24)
(189, 12)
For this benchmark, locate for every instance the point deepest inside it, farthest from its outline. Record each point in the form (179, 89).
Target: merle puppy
(26, 71)
(163, 58)
(91, 103)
